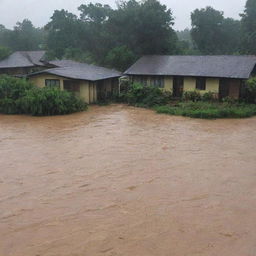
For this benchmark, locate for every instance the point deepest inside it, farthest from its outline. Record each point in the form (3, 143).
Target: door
(178, 85)
(224, 88)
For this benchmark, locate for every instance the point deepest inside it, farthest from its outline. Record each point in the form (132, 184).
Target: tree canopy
(248, 24)
(116, 37)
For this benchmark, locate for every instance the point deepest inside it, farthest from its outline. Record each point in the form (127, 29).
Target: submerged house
(90, 82)
(23, 62)
(222, 75)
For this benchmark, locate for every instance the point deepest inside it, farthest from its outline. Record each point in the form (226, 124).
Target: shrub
(208, 110)
(50, 101)
(18, 96)
(146, 96)
(208, 96)
(191, 96)
(249, 92)
(11, 90)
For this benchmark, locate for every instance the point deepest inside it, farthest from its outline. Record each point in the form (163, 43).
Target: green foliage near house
(50, 101)
(145, 96)
(208, 110)
(11, 91)
(249, 92)
(18, 96)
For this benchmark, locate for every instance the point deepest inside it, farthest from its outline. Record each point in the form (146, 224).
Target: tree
(214, 34)
(207, 30)
(4, 52)
(144, 27)
(231, 36)
(25, 37)
(94, 18)
(94, 13)
(64, 31)
(120, 58)
(249, 28)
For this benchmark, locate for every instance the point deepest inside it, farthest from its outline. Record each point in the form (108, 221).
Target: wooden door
(178, 85)
(224, 88)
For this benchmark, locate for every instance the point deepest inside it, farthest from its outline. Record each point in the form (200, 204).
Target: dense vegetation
(117, 37)
(209, 110)
(17, 96)
(192, 103)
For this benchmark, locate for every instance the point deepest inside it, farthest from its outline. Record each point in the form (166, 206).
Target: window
(200, 83)
(143, 80)
(53, 83)
(157, 81)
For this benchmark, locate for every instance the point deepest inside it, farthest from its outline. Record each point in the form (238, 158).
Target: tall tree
(207, 30)
(94, 18)
(64, 31)
(25, 37)
(144, 27)
(214, 34)
(249, 28)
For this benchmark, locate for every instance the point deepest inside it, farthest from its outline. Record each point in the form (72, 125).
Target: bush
(18, 96)
(191, 96)
(208, 96)
(50, 101)
(11, 90)
(146, 96)
(209, 110)
(249, 92)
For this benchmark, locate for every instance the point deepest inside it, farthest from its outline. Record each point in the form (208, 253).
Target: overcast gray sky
(39, 11)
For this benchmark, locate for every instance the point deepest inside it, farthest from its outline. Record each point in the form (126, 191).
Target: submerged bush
(191, 96)
(146, 96)
(208, 110)
(18, 96)
(50, 101)
(11, 90)
(249, 91)
(209, 96)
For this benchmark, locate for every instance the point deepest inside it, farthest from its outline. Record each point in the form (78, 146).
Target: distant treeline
(117, 37)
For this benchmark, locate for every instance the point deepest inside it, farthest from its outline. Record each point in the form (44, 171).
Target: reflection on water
(119, 180)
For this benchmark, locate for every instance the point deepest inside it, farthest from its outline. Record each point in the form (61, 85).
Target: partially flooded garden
(120, 180)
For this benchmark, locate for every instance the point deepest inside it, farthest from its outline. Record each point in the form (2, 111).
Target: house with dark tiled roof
(90, 82)
(22, 63)
(222, 75)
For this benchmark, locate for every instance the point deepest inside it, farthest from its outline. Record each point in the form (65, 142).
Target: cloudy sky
(39, 11)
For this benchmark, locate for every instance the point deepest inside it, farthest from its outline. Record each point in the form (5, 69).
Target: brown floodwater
(124, 181)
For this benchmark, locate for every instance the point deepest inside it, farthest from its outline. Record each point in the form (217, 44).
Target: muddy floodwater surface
(124, 181)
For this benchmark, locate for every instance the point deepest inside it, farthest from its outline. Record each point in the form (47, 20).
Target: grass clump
(208, 110)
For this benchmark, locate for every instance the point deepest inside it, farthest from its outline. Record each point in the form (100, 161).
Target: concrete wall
(88, 90)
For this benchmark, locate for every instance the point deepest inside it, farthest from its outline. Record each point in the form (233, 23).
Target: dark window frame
(157, 81)
(52, 83)
(201, 83)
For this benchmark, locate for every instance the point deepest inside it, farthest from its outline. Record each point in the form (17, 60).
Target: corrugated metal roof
(23, 59)
(226, 66)
(81, 71)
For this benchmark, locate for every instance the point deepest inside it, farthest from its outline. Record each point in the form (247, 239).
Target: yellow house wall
(40, 80)
(168, 83)
(87, 93)
(84, 91)
(212, 85)
(189, 84)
